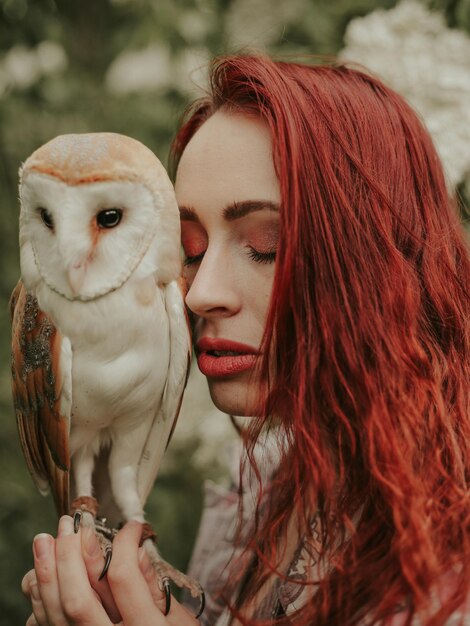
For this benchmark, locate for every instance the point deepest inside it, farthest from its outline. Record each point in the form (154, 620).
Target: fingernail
(65, 526)
(42, 545)
(34, 591)
(92, 547)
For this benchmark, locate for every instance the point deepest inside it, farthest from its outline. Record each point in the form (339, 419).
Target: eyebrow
(233, 211)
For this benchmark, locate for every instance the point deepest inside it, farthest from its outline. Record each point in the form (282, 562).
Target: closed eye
(262, 257)
(191, 260)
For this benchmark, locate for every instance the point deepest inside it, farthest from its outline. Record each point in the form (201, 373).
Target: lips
(220, 358)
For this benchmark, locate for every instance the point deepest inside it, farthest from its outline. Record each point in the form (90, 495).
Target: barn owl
(101, 344)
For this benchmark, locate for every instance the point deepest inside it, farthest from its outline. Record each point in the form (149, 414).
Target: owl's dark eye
(46, 218)
(109, 218)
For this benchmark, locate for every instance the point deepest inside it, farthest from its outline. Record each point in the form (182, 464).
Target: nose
(214, 291)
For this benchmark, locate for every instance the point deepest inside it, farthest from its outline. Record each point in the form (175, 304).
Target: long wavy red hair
(369, 330)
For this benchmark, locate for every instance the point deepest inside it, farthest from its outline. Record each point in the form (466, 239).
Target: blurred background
(131, 66)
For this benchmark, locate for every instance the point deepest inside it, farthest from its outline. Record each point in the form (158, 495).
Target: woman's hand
(64, 587)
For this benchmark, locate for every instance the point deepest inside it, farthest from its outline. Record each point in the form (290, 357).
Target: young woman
(328, 278)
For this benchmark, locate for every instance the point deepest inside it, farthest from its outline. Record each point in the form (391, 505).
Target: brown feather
(36, 383)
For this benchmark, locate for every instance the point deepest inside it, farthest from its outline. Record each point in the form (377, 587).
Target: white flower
(23, 67)
(195, 25)
(413, 50)
(51, 57)
(147, 69)
(259, 23)
(154, 68)
(190, 71)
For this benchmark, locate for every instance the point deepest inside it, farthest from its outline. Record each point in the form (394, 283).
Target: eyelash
(258, 257)
(191, 260)
(262, 257)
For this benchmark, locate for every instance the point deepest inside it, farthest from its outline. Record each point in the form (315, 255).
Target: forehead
(228, 159)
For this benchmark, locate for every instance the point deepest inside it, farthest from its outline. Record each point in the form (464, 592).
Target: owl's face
(86, 239)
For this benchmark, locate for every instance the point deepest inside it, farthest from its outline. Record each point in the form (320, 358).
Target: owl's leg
(85, 506)
(123, 466)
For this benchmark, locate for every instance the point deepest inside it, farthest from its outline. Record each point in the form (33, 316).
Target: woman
(328, 281)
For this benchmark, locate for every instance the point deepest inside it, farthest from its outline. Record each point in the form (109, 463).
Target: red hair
(369, 328)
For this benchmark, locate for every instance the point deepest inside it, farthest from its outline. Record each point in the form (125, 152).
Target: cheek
(256, 286)
(264, 299)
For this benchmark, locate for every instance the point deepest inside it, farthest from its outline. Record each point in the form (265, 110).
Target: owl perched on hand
(101, 344)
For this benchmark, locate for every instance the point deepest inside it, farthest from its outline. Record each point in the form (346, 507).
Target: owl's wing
(165, 420)
(41, 381)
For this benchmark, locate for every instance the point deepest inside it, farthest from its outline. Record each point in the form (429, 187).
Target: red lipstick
(219, 358)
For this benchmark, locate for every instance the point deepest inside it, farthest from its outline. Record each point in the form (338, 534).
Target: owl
(101, 344)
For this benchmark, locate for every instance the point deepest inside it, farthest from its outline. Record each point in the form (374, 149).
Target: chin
(234, 397)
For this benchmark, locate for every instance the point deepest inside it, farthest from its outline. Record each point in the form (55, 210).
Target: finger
(78, 599)
(93, 557)
(47, 583)
(31, 621)
(28, 578)
(37, 605)
(29, 586)
(150, 575)
(128, 585)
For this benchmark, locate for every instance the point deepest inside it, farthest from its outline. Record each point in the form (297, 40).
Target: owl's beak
(76, 275)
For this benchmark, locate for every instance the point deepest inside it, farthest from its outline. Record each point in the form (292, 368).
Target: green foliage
(457, 12)
(23, 513)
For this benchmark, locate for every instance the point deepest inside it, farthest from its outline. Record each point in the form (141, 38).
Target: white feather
(177, 374)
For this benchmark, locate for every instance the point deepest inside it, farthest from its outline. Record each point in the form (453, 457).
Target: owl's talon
(77, 518)
(202, 604)
(166, 573)
(108, 555)
(167, 590)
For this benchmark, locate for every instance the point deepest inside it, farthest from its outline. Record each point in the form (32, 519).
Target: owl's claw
(107, 560)
(167, 590)
(166, 572)
(202, 603)
(77, 518)
(80, 506)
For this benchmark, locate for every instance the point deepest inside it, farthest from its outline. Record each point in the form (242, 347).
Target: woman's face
(228, 195)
